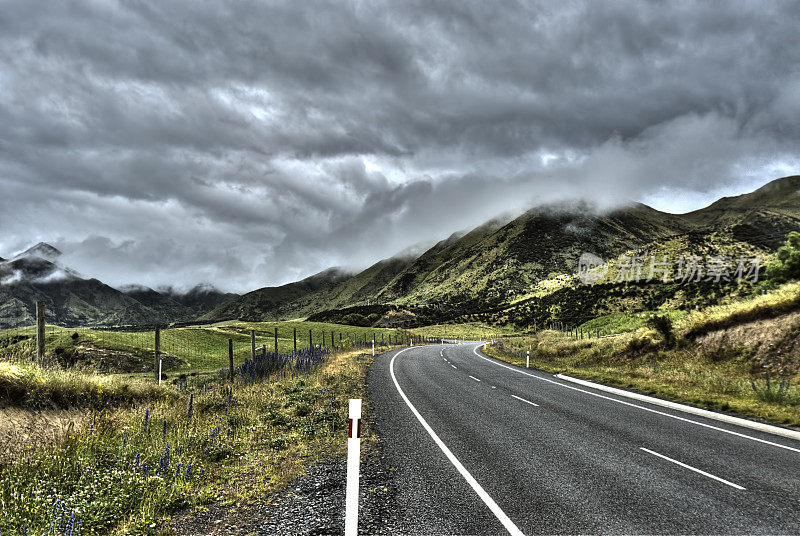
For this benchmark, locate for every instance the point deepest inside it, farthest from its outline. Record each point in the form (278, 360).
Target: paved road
(511, 450)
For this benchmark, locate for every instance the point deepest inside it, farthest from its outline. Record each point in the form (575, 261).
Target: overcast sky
(251, 143)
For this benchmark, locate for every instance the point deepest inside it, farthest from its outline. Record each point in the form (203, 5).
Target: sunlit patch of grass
(28, 385)
(626, 322)
(784, 299)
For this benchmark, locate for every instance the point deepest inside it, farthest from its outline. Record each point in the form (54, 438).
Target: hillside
(333, 288)
(519, 271)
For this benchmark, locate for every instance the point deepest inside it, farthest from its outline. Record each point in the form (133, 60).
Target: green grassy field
(471, 331)
(198, 348)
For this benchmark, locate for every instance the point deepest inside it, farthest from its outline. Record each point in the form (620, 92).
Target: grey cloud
(253, 142)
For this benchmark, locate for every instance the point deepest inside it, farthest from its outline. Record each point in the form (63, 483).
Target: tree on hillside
(787, 265)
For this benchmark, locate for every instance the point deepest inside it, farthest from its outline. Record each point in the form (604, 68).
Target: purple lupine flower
(164, 429)
(214, 433)
(178, 469)
(188, 473)
(163, 462)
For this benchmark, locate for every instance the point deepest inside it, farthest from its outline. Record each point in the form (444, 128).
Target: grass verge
(130, 468)
(635, 361)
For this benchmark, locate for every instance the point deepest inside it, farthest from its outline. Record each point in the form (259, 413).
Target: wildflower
(138, 459)
(163, 462)
(164, 429)
(146, 419)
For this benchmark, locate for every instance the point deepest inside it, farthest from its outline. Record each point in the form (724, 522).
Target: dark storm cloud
(248, 143)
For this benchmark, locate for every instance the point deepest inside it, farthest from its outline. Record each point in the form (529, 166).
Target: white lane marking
(731, 432)
(526, 401)
(487, 500)
(453, 366)
(768, 428)
(493, 387)
(474, 378)
(696, 470)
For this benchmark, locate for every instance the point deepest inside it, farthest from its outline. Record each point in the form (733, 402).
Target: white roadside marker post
(527, 359)
(353, 460)
(373, 347)
(159, 371)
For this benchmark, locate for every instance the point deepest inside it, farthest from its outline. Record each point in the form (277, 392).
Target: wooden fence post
(230, 359)
(157, 353)
(310, 341)
(252, 344)
(40, 333)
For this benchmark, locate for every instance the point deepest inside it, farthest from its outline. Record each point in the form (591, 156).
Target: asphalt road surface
(482, 447)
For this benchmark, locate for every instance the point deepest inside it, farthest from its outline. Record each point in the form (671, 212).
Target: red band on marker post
(350, 428)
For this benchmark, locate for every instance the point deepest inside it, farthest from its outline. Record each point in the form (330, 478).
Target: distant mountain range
(72, 300)
(509, 271)
(522, 271)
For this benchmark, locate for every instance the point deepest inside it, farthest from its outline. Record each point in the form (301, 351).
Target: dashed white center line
(696, 470)
(493, 387)
(526, 401)
(474, 378)
(453, 366)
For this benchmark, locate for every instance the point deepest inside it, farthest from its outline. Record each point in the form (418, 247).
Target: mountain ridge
(499, 262)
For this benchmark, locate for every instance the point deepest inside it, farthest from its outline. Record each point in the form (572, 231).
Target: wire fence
(134, 349)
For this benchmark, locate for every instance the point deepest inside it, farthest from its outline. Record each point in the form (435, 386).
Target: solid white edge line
(695, 469)
(731, 432)
(474, 378)
(791, 434)
(487, 500)
(526, 401)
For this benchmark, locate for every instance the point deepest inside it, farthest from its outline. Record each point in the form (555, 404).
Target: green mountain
(524, 270)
